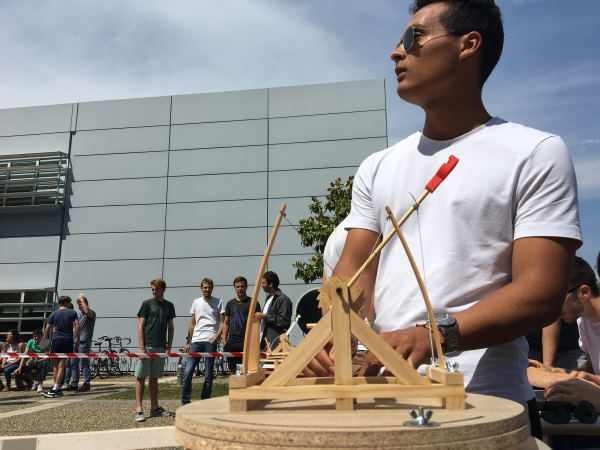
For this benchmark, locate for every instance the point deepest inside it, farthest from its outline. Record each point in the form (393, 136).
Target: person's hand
(538, 365)
(322, 364)
(17, 371)
(259, 315)
(585, 376)
(411, 343)
(186, 349)
(214, 340)
(573, 390)
(168, 349)
(143, 349)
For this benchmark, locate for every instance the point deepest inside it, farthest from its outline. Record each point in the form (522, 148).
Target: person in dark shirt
(234, 325)
(155, 335)
(63, 322)
(277, 317)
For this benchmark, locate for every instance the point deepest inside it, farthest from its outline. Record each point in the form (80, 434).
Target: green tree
(314, 230)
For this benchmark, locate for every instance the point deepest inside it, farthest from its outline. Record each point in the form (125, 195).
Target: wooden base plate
(486, 423)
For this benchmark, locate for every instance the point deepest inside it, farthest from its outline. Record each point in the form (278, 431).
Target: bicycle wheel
(94, 368)
(103, 370)
(124, 363)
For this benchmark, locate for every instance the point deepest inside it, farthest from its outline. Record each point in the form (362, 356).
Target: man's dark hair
(271, 278)
(464, 16)
(240, 279)
(37, 332)
(583, 273)
(63, 300)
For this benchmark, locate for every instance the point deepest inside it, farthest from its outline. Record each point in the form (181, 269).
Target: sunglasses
(559, 413)
(408, 38)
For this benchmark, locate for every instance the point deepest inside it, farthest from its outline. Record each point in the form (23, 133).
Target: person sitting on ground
(64, 323)
(38, 367)
(582, 304)
(12, 344)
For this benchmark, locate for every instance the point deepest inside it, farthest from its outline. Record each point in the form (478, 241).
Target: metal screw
(452, 366)
(421, 419)
(239, 369)
(434, 362)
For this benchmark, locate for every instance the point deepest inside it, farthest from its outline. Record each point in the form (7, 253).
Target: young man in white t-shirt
(499, 234)
(203, 332)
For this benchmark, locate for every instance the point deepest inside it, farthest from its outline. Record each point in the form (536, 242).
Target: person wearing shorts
(155, 335)
(63, 323)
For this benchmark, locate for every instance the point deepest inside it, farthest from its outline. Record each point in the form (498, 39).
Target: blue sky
(61, 51)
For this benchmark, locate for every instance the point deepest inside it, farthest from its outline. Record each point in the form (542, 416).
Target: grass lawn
(169, 392)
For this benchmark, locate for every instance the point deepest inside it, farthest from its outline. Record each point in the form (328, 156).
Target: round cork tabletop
(486, 423)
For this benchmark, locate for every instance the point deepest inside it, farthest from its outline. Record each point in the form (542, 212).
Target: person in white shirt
(203, 332)
(498, 236)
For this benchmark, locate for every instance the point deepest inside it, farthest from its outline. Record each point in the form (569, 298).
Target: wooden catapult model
(341, 300)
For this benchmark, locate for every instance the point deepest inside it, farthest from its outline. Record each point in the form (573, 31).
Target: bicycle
(104, 367)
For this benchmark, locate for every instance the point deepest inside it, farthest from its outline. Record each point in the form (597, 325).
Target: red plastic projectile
(442, 173)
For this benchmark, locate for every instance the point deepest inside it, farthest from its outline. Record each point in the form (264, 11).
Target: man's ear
(470, 44)
(584, 291)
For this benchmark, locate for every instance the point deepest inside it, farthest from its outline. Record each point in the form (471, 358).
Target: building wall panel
(353, 125)
(118, 192)
(218, 160)
(113, 246)
(83, 275)
(124, 165)
(138, 112)
(127, 140)
(34, 143)
(219, 134)
(217, 187)
(35, 120)
(215, 242)
(105, 219)
(220, 106)
(230, 214)
(29, 249)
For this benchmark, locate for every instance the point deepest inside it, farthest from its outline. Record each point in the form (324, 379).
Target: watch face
(444, 319)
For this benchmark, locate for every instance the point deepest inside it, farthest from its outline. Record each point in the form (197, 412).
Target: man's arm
(85, 308)
(141, 343)
(550, 337)
(225, 330)
(170, 333)
(190, 333)
(533, 299)
(358, 247)
(77, 330)
(220, 330)
(47, 330)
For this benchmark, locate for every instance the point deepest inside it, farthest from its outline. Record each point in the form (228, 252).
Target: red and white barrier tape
(122, 355)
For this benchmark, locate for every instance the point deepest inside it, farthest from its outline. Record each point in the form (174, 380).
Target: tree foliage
(314, 230)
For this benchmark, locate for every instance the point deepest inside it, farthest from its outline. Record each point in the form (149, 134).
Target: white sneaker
(35, 386)
(40, 388)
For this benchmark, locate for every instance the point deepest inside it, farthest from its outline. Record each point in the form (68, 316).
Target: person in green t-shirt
(39, 365)
(155, 335)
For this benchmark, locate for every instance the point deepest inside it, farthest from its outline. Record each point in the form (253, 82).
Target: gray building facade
(180, 187)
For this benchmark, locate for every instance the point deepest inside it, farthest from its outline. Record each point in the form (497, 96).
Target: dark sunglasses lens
(408, 39)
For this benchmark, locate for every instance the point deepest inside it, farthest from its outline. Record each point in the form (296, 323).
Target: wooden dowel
(413, 264)
(251, 356)
(383, 243)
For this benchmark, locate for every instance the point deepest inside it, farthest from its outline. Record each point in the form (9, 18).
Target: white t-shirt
(208, 318)
(589, 341)
(511, 182)
(333, 247)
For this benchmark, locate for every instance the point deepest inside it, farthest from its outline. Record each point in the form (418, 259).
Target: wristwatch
(449, 328)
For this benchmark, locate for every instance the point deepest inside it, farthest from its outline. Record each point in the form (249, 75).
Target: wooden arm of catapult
(340, 301)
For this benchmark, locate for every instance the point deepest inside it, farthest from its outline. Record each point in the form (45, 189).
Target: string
(416, 206)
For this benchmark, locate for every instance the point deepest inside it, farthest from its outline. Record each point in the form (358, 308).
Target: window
(25, 311)
(33, 179)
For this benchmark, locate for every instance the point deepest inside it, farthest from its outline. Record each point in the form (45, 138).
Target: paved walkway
(29, 413)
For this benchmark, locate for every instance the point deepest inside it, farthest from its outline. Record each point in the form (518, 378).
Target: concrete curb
(134, 438)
